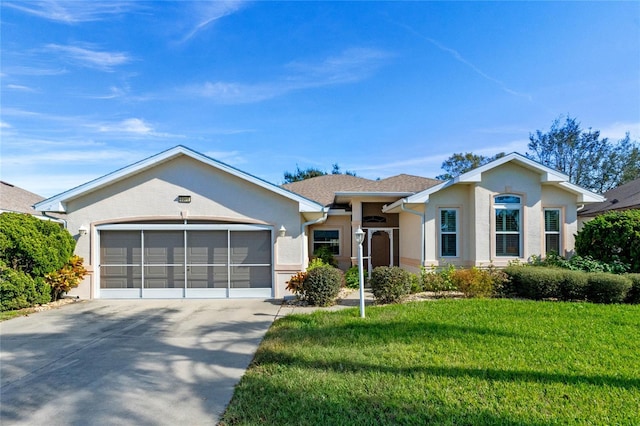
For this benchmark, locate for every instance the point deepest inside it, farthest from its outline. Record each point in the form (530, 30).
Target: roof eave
(57, 202)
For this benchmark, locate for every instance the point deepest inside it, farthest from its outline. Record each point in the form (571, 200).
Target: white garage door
(192, 261)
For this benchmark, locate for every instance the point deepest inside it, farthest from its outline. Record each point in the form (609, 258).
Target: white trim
(329, 243)
(57, 202)
(545, 232)
(456, 232)
(548, 176)
(520, 232)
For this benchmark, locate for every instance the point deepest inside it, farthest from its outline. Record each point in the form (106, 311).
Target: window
(448, 232)
(552, 231)
(328, 238)
(508, 228)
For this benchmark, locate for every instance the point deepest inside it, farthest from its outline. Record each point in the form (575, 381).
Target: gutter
(303, 231)
(56, 219)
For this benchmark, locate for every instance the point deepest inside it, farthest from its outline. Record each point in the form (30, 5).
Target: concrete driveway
(143, 362)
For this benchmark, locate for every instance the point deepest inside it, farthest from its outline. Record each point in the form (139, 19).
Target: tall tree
(311, 172)
(589, 160)
(460, 163)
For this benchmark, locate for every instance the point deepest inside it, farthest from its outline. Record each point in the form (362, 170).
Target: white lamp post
(359, 239)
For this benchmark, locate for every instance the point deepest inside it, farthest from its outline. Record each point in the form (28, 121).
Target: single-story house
(624, 197)
(181, 224)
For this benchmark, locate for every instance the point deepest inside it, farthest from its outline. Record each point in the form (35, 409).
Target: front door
(381, 247)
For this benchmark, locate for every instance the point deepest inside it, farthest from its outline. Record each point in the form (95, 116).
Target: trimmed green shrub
(437, 281)
(18, 290)
(352, 277)
(633, 296)
(416, 284)
(473, 282)
(607, 288)
(390, 284)
(322, 285)
(324, 253)
(533, 283)
(316, 263)
(36, 247)
(613, 236)
(573, 285)
(580, 263)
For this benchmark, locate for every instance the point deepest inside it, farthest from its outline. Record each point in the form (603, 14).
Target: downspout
(422, 230)
(56, 219)
(303, 232)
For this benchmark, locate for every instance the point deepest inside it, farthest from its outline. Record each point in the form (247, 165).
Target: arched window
(508, 225)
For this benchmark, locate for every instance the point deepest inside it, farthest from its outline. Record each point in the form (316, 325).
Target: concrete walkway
(124, 362)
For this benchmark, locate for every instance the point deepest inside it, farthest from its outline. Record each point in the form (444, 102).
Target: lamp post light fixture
(282, 231)
(359, 234)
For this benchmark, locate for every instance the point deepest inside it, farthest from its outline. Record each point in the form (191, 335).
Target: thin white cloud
(134, 127)
(207, 12)
(33, 71)
(113, 93)
(79, 156)
(351, 65)
(73, 11)
(458, 57)
(618, 130)
(20, 88)
(229, 157)
(91, 58)
(4, 125)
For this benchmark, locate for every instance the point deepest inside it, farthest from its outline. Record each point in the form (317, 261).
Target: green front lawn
(457, 362)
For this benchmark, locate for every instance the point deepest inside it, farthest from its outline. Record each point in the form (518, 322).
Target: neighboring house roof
(624, 197)
(327, 189)
(17, 200)
(547, 176)
(57, 202)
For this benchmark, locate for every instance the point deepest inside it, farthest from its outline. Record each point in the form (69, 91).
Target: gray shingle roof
(323, 188)
(18, 200)
(624, 197)
(15, 199)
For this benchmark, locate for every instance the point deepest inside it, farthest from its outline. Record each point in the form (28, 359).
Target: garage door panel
(121, 247)
(207, 247)
(164, 276)
(250, 247)
(164, 247)
(251, 277)
(207, 277)
(121, 277)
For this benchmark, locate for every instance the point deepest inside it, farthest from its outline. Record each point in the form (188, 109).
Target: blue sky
(380, 88)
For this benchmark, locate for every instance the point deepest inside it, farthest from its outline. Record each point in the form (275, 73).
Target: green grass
(6, 315)
(455, 362)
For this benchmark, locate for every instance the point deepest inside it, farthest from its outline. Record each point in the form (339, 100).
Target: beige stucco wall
(343, 224)
(474, 201)
(215, 196)
(410, 239)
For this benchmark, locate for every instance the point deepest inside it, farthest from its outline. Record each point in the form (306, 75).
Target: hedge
(18, 290)
(539, 283)
(633, 296)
